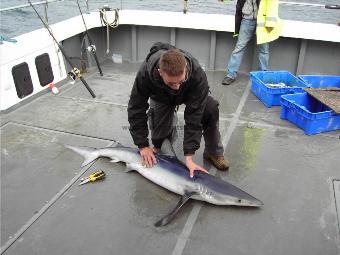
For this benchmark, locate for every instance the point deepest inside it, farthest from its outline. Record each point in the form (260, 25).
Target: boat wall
(303, 48)
(27, 48)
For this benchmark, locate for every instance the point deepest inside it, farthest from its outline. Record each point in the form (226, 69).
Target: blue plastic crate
(308, 113)
(272, 96)
(321, 81)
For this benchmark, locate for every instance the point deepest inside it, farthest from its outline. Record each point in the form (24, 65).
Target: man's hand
(192, 166)
(148, 156)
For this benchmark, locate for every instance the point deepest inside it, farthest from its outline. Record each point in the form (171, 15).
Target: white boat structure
(44, 211)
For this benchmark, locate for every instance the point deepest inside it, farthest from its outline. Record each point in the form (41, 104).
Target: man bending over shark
(170, 77)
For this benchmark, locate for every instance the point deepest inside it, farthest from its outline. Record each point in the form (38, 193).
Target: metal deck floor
(44, 211)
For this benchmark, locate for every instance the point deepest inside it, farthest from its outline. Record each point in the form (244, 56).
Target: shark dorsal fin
(167, 149)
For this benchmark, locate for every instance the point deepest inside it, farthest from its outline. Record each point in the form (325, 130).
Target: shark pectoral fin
(130, 167)
(114, 160)
(169, 217)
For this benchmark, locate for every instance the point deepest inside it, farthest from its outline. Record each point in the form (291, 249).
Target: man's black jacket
(148, 84)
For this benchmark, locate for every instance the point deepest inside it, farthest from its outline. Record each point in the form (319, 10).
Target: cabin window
(22, 80)
(44, 69)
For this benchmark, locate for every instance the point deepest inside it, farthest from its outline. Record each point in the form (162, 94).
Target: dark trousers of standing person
(163, 120)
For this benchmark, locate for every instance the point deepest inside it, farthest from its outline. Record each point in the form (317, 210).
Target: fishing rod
(74, 69)
(92, 47)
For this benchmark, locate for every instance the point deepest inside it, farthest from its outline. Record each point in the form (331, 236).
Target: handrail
(327, 6)
(28, 5)
(87, 6)
(301, 4)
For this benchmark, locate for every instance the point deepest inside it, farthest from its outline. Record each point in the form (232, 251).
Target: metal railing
(46, 2)
(28, 5)
(133, 4)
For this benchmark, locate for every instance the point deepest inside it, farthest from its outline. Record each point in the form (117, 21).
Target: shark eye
(239, 200)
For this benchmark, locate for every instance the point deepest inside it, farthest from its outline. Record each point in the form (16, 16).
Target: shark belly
(165, 179)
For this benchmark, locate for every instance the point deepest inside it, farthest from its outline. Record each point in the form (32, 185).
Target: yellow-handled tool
(98, 175)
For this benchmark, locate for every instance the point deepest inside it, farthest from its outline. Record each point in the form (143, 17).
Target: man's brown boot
(218, 161)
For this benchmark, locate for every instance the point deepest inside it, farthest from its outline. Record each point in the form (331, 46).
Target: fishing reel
(92, 48)
(73, 74)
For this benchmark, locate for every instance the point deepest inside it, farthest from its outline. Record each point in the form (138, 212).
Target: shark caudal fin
(89, 154)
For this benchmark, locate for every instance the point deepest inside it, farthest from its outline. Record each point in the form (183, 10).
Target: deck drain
(336, 186)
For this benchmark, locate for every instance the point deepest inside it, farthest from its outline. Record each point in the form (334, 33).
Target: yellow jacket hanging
(269, 25)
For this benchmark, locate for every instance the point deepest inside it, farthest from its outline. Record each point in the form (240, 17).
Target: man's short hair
(172, 62)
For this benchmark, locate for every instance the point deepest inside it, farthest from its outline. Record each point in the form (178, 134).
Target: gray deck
(44, 211)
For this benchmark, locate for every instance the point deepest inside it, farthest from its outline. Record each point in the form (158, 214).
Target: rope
(104, 20)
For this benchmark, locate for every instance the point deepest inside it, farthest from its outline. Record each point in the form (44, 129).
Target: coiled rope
(104, 20)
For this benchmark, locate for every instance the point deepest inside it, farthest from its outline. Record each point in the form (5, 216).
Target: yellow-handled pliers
(98, 175)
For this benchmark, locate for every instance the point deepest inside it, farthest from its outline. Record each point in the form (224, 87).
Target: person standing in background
(253, 16)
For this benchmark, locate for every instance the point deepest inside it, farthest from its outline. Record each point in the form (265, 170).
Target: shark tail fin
(89, 154)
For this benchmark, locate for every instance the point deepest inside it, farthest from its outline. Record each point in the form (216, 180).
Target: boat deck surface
(44, 211)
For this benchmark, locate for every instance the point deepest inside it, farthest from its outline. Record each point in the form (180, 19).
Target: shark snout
(248, 202)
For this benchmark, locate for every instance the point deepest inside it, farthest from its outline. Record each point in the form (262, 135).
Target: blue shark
(173, 175)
